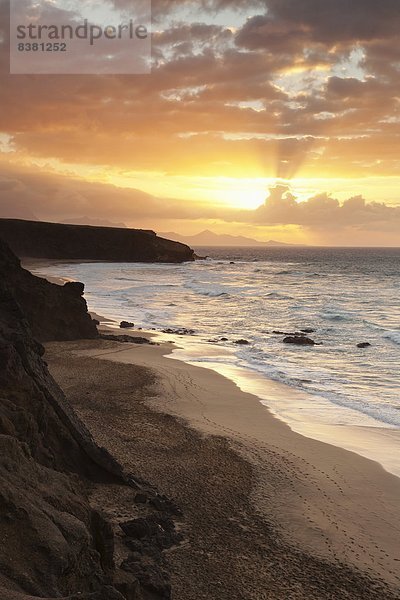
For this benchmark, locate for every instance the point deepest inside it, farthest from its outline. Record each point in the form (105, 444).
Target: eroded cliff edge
(83, 242)
(55, 543)
(53, 312)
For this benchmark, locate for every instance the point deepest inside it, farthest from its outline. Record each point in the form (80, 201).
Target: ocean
(346, 295)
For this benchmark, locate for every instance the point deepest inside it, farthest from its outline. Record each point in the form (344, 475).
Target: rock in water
(126, 325)
(363, 345)
(299, 341)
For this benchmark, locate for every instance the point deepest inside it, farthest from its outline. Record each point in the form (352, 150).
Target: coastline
(312, 495)
(36, 266)
(306, 413)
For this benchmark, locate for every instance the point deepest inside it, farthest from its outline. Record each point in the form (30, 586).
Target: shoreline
(380, 444)
(318, 501)
(312, 492)
(305, 413)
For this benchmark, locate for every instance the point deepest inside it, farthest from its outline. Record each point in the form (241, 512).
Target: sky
(271, 119)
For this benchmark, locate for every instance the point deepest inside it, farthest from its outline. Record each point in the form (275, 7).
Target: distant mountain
(209, 238)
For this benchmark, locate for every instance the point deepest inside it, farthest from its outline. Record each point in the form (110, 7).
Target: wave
(124, 279)
(393, 336)
(332, 315)
(212, 298)
(309, 382)
(211, 293)
(278, 296)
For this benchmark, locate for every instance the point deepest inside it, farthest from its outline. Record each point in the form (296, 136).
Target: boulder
(299, 340)
(180, 331)
(242, 342)
(128, 339)
(293, 333)
(363, 345)
(75, 288)
(126, 325)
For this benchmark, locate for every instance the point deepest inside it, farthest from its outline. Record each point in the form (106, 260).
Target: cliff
(53, 312)
(83, 242)
(54, 542)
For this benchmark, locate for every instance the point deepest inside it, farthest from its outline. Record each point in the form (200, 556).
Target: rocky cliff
(54, 542)
(83, 242)
(53, 312)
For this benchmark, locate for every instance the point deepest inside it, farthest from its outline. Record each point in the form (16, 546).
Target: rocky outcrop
(54, 542)
(300, 340)
(53, 312)
(84, 242)
(126, 325)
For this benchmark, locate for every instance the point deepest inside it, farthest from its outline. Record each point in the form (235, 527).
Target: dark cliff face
(47, 527)
(54, 542)
(83, 242)
(54, 312)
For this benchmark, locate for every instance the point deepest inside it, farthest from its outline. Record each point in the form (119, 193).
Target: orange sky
(242, 96)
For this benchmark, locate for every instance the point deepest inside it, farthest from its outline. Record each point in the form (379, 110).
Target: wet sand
(268, 513)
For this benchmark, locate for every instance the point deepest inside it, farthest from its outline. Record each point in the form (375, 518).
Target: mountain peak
(210, 238)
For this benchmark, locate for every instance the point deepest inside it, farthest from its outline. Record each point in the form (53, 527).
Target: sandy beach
(268, 513)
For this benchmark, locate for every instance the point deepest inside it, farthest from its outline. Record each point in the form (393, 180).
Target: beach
(267, 513)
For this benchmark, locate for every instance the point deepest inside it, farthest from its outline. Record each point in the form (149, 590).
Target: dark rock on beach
(300, 340)
(363, 345)
(292, 333)
(181, 331)
(242, 342)
(147, 537)
(159, 528)
(126, 325)
(84, 242)
(128, 339)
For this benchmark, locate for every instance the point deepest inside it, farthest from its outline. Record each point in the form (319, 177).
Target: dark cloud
(339, 21)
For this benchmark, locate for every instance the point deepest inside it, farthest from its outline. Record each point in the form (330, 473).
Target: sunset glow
(238, 100)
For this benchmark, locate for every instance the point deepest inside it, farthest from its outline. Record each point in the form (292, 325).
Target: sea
(346, 296)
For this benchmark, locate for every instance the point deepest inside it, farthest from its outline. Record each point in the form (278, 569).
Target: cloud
(322, 212)
(57, 198)
(334, 22)
(304, 87)
(42, 196)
